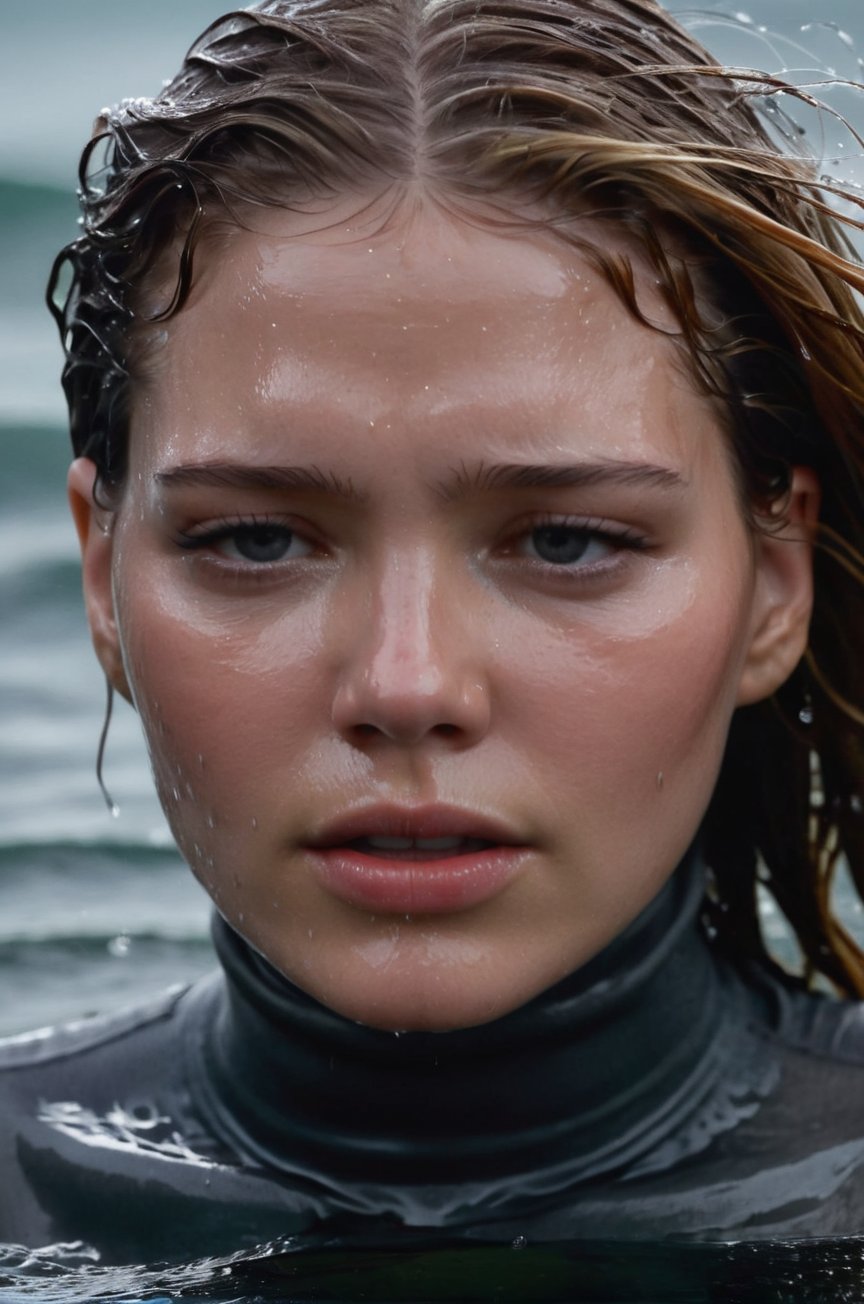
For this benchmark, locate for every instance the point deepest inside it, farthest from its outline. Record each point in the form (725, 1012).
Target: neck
(585, 1079)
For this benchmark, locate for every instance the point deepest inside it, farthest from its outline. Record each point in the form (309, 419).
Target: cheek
(225, 701)
(624, 712)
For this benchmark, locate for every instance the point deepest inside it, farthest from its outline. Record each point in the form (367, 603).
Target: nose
(413, 671)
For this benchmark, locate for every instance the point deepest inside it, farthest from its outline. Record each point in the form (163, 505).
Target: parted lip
(413, 822)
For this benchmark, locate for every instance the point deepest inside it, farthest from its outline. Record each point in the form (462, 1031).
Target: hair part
(604, 107)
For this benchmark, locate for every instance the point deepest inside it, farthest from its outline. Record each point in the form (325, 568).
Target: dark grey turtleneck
(655, 1093)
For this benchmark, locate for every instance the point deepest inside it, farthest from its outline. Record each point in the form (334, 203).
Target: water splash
(805, 83)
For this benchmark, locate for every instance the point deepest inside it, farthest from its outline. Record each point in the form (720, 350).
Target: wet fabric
(655, 1093)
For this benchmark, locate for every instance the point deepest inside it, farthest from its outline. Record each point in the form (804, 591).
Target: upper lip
(412, 822)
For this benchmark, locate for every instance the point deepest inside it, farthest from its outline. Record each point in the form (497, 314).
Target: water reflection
(789, 1272)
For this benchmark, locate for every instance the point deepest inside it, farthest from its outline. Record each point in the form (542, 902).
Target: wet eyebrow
(232, 475)
(519, 475)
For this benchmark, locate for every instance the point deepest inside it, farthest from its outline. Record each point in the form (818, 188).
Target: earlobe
(783, 594)
(94, 527)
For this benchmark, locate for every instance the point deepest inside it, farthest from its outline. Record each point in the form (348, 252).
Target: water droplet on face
(660, 781)
(119, 946)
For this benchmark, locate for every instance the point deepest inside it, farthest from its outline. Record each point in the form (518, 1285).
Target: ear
(783, 595)
(95, 529)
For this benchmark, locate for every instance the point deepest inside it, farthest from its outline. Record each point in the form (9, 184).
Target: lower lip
(442, 885)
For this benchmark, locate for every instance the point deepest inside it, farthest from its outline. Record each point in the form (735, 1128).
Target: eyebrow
(519, 475)
(232, 475)
(462, 481)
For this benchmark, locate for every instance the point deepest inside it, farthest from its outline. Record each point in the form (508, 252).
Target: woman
(465, 400)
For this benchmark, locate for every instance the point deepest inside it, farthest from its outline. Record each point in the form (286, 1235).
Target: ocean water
(93, 910)
(96, 912)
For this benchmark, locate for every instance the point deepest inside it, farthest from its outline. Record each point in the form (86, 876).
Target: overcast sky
(62, 60)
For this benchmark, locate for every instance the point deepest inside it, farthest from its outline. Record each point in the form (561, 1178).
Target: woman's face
(431, 586)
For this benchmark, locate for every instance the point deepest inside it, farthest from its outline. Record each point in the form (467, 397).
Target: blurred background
(94, 910)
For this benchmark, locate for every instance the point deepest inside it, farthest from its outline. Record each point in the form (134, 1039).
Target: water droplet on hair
(114, 811)
(805, 715)
(119, 946)
(519, 1242)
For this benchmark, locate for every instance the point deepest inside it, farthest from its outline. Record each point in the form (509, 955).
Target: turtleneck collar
(591, 1077)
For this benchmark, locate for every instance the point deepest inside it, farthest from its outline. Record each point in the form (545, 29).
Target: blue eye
(258, 543)
(561, 545)
(253, 543)
(558, 544)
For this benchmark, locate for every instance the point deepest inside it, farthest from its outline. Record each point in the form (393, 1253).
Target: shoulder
(101, 1059)
(812, 1023)
(47, 1045)
(63, 1090)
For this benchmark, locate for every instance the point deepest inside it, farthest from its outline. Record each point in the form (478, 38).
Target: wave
(85, 850)
(20, 199)
(15, 948)
(35, 457)
(438, 1267)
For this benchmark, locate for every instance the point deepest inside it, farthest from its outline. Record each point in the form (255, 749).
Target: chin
(425, 1002)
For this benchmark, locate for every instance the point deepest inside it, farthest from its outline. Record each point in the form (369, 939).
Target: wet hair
(600, 106)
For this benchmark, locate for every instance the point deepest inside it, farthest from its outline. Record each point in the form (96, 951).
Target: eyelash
(199, 540)
(620, 539)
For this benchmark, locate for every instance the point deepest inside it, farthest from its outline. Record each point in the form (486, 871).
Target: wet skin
(333, 590)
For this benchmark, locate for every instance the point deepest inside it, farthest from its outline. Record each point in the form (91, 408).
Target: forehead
(420, 317)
